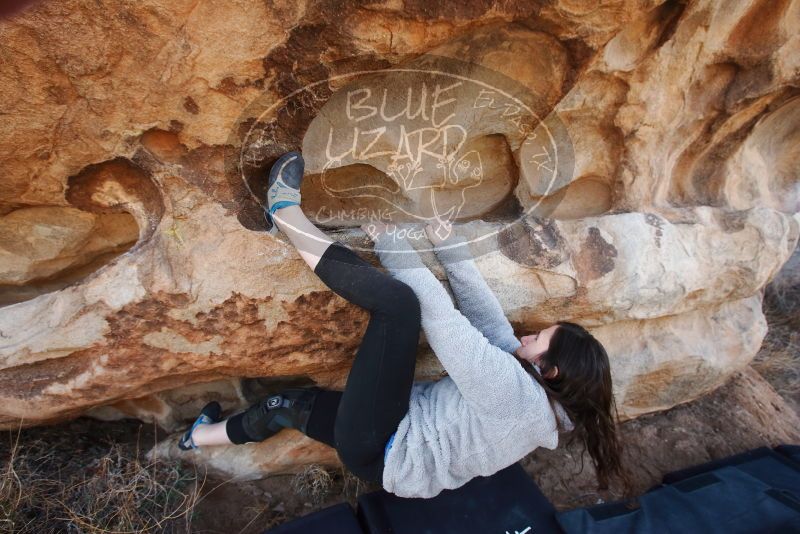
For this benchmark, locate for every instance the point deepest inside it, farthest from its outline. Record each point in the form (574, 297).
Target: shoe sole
(213, 411)
(287, 159)
(280, 164)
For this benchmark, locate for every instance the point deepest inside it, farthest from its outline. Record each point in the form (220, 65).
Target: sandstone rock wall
(134, 273)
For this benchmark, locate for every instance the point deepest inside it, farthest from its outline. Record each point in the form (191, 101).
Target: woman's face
(536, 344)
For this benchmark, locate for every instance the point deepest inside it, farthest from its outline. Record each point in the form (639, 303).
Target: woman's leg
(378, 387)
(310, 241)
(359, 420)
(213, 434)
(232, 430)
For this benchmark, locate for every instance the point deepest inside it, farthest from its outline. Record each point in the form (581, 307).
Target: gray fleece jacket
(488, 412)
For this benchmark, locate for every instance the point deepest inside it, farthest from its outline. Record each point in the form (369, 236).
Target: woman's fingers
(374, 228)
(432, 237)
(370, 230)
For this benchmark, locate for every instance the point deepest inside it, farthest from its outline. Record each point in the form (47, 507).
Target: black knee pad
(288, 409)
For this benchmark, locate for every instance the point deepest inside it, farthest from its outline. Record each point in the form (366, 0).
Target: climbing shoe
(289, 409)
(283, 187)
(211, 413)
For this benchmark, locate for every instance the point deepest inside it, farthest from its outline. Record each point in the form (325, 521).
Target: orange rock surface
(135, 276)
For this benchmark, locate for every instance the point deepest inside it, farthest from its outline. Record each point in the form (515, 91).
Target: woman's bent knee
(364, 462)
(405, 304)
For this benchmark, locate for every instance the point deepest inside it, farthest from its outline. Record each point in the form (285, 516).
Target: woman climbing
(503, 397)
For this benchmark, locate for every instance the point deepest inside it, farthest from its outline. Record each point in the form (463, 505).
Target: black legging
(359, 421)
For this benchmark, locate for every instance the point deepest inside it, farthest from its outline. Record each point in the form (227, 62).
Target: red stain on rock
(596, 257)
(320, 334)
(190, 105)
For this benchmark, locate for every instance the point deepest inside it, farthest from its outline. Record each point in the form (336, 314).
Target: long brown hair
(583, 388)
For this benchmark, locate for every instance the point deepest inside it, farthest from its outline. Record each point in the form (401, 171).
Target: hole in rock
(586, 197)
(768, 159)
(113, 205)
(164, 145)
(754, 164)
(117, 186)
(438, 140)
(476, 184)
(46, 248)
(254, 389)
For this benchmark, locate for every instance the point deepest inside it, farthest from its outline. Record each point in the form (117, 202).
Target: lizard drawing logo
(432, 142)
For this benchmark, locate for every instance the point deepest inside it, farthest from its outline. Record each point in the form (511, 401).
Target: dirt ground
(744, 414)
(757, 406)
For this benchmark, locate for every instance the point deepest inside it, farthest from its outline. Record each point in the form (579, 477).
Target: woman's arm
(475, 298)
(489, 378)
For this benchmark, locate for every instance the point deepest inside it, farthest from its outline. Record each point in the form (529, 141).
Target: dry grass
(45, 487)
(353, 487)
(779, 358)
(313, 483)
(779, 362)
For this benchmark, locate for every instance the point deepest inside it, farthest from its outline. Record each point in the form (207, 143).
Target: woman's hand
(375, 228)
(432, 237)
